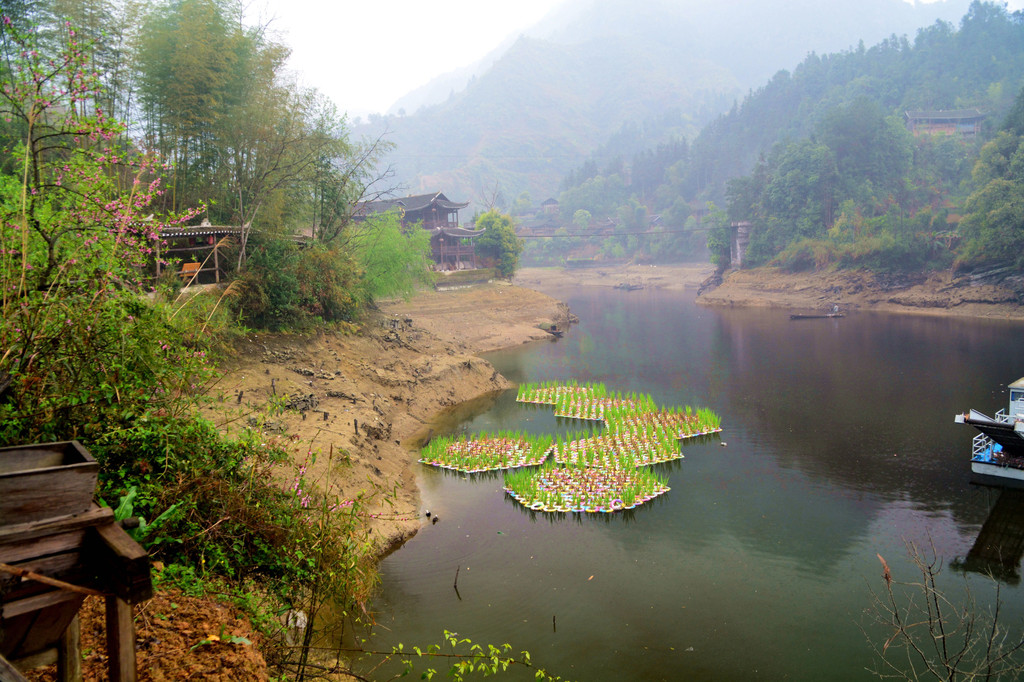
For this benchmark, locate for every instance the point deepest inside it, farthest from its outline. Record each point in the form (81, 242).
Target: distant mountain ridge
(562, 88)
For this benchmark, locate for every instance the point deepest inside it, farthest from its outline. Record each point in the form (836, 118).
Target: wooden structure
(962, 122)
(56, 547)
(199, 243)
(739, 239)
(451, 246)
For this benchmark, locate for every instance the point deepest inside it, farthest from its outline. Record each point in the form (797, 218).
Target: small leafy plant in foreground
(467, 658)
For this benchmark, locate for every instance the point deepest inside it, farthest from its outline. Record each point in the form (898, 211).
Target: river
(838, 446)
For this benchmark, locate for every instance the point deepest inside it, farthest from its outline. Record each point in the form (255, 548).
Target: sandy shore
(938, 293)
(669, 277)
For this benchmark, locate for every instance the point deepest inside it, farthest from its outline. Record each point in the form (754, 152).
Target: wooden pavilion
(199, 250)
(451, 245)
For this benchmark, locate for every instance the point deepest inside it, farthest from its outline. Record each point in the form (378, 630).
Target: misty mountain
(562, 88)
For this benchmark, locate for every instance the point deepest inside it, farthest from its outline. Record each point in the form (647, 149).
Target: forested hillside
(821, 163)
(564, 87)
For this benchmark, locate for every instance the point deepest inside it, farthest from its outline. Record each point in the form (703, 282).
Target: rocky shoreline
(937, 293)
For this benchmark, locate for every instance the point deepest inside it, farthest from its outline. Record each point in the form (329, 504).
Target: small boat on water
(817, 316)
(813, 316)
(998, 450)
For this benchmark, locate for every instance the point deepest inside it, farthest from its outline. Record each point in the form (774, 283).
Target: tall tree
(993, 227)
(499, 241)
(191, 63)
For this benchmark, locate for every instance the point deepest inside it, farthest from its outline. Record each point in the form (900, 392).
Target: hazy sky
(365, 54)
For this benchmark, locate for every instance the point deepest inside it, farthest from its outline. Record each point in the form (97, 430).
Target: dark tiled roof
(950, 115)
(416, 202)
(457, 232)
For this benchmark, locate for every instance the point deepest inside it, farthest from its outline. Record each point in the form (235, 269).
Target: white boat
(998, 450)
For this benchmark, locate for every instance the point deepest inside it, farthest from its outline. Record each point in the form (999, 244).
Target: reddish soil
(177, 638)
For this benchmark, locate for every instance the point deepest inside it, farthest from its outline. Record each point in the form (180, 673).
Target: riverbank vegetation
(93, 347)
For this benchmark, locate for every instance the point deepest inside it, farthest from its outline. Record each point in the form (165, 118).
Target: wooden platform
(56, 547)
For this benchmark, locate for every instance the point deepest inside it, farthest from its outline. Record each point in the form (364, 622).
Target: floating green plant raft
(681, 423)
(583, 489)
(619, 411)
(637, 433)
(486, 452)
(620, 450)
(551, 392)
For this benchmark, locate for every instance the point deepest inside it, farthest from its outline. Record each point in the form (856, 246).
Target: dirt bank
(360, 402)
(483, 318)
(669, 277)
(932, 294)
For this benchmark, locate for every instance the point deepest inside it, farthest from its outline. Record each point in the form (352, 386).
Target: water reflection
(999, 547)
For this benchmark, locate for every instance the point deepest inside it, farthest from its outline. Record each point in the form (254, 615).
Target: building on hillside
(549, 206)
(963, 122)
(451, 245)
(200, 250)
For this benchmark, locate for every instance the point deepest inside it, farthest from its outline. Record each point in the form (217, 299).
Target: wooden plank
(38, 602)
(21, 532)
(8, 673)
(40, 547)
(60, 566)
(30, 580)
(69, 652)
(120, 641)
(41, 493)
(49, 626)
(14, 632)
(23, 589)
(20, 457)
(46, 480)
(37, 660)
(126, 563)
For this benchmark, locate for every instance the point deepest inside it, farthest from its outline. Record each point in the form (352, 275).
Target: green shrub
(229, 515)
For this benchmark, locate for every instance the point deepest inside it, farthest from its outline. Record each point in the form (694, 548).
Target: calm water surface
(839, 444)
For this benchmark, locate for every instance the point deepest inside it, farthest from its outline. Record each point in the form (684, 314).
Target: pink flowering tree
(81, 348)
